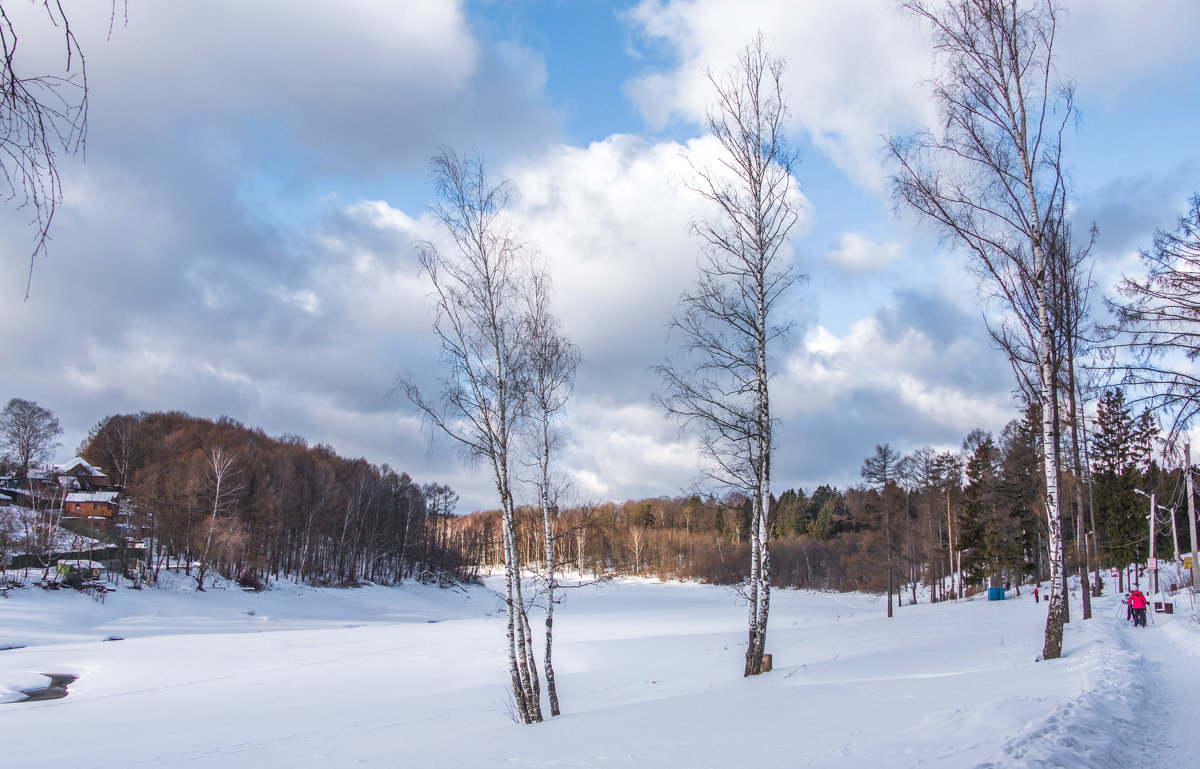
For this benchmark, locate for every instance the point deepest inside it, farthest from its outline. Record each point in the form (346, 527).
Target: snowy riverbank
(649, 675)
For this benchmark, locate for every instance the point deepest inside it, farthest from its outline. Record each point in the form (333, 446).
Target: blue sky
(589, 52)
(238, 239)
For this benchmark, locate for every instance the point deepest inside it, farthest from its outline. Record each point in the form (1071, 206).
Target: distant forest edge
(980, 507)
(224, 496)
(257, 508)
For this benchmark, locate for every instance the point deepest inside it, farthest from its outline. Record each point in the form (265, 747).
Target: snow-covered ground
(21, 521)
(649, 675)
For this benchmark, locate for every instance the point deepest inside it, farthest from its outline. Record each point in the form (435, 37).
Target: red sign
(1115, 573)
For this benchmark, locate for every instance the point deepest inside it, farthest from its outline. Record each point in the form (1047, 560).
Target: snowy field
(649, 675)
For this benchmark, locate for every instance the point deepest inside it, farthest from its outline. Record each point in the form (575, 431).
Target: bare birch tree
(1068, 289)
(1158, 322)
(552, 361)
(221, 466)
(724, 326)
(478, 287)
(1071, 290)
(992, 181)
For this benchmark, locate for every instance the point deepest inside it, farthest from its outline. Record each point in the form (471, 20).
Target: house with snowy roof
(87, 477)
(91, 504)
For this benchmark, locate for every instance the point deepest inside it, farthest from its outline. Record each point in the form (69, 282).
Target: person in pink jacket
(1137, 605)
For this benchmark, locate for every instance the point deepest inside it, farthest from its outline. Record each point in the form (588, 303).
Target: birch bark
(721, 388)
(993, 182)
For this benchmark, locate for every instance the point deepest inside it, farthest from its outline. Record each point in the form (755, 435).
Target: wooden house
(87, 477)
(91, 504)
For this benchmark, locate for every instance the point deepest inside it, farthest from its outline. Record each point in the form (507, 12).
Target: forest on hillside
(219, 495)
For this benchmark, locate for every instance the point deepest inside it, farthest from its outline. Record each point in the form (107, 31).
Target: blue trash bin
(995, 594)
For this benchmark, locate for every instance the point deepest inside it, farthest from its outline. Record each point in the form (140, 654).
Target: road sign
(1187, 562)
(1116, 573)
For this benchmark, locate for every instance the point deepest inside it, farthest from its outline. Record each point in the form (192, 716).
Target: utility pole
(1174, 537)
(1187, 450)
(1152, 563)
(950, 533)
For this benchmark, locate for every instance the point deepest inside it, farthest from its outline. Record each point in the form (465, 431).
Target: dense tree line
(955, 522)
(256, 508)
(217, 495)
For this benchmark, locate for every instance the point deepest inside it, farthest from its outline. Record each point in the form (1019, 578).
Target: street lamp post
(1192, 517)
(1151, 564)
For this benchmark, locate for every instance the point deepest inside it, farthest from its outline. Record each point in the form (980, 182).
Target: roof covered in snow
(78, 462)
(92, 496)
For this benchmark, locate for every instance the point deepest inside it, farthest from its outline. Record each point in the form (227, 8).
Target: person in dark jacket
(1137, 607)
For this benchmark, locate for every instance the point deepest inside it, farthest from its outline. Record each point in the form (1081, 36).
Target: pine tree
(1018, 486)
(978, 507)
(1120, 460)
(825, 526)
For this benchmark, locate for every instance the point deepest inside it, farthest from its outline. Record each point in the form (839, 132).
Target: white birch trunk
(544, 461)
(1056, 613)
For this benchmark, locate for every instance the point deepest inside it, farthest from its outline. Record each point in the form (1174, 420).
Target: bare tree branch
(478, 292)
(719, 385)
(992, 182)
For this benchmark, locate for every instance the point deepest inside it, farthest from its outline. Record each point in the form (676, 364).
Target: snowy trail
(1171, 665)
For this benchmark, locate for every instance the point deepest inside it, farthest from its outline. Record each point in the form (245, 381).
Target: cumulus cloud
(918, 371)
(854, 68)
(614, 220)
(240, 239)
(855, 253)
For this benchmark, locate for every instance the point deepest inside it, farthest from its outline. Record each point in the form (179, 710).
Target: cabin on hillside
(86, 477)
(91, 504)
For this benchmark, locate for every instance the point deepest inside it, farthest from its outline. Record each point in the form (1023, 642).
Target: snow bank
(1095, 724)
(649, 675)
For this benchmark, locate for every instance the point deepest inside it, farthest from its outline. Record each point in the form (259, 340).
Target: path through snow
(1170, 662)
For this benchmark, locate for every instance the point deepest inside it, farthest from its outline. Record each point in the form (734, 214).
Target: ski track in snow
(1171, 651)
(1135, 706)
(1093, 726)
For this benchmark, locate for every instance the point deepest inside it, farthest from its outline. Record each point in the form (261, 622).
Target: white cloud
(614, 225)
(626, 450)
(1111, 46)
(856, 253)
(924, 381)
(854, 68)
(820, 342)
(614, 220)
